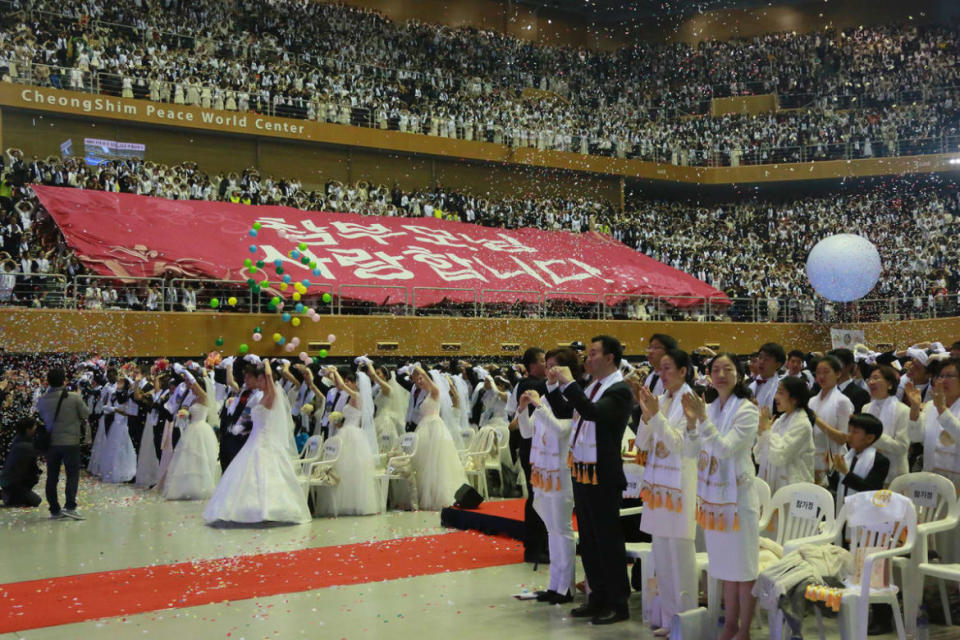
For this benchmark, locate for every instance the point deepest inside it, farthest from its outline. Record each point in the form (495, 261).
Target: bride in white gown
(194, 468)
(391, 402)
(118, 460)
(439, 470)
(261, 485)
(356, 493)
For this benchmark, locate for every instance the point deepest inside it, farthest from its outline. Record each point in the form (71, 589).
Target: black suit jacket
(610, 412)
(857, 396)
(875, 478)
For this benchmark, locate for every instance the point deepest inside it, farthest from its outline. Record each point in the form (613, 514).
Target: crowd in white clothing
(344, 65)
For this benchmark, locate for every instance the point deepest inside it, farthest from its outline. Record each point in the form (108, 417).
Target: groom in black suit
(601, 414)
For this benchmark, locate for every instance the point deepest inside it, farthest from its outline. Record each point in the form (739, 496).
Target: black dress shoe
(610, 617)
(546, 596)
(561, 598)
(586, 611)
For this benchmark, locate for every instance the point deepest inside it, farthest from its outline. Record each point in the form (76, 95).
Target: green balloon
(275, 300)
(279, 270)
(302, 246)
(305, 260)
(244, 348)
(313, 265)
(316, 359)
(251, 282)
(327, 298)
(253, 268)
(247, 262)
(219, 342)
(214, 303)
(259, 263)
(322, 353)
(258, 330)
(256, 288)
(257, 225)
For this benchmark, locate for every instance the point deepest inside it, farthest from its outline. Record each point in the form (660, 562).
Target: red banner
(137, 236)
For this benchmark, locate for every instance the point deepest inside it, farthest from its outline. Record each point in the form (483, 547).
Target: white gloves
(178, 368)
(363, 361)
(252, 358)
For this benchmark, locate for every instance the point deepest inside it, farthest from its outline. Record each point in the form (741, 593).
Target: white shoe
(662, 632)
(72, 514)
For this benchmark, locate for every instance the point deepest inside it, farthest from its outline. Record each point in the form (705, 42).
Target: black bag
(467, 498)
(42, 438)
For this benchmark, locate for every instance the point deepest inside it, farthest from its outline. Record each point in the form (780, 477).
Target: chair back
(803, 509)
(877, 521)
(409, 443)
(933, 495)
(331, 448)
(486, 442)
(763, 495)
(467, 435)
(312, 447)
(387, 441)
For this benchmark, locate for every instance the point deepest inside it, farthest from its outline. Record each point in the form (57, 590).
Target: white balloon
(844, 267)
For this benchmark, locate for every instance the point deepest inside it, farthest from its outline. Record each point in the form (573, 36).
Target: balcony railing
(91, 293)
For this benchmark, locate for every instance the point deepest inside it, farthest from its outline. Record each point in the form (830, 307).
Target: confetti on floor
(55, 601)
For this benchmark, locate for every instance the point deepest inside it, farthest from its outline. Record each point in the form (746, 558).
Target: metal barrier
(698, 311)
(446, 307)
(207, 290)
(389, 306)
(45, 290)
(622, 306)
(572, 304)
(511, 306)
(114, 292)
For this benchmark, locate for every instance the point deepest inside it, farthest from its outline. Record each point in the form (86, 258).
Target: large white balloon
(844, 267)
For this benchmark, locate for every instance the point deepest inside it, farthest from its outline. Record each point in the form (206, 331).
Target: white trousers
(675, 567)
(555, 508)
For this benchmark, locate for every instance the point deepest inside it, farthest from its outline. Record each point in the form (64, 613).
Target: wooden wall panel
(185, 334)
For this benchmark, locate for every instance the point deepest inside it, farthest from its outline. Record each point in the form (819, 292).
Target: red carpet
(56, 601)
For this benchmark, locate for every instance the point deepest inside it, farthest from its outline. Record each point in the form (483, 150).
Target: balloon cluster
(293, 315)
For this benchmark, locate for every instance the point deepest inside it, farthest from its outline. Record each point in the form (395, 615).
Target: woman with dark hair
(548, 429)
(720, 436)
(261, 484)
(669, 488)
(785, 449)
(195, 467)
(833, 411)
(895, 417)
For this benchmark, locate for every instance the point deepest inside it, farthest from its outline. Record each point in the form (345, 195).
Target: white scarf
(885, 411)
(545, 459)
(583, 435)
(716, 476)
(865, 460)
(826, 410)
(663, 473)
(940, 445)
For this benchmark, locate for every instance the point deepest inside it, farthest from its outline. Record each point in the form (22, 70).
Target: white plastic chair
(483, 446)
(408, 445)
(886, 536)
(316, 470)
(466, 435)
(310, 453)
(502, 459)
(803, 509)
(938, 510)
(387, 447)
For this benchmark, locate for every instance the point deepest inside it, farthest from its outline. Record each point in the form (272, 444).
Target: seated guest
(20, 471)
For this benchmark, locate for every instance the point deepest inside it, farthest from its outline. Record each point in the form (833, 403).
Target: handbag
(42, 440)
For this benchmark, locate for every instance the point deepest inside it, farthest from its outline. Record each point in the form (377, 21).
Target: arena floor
(450, 584)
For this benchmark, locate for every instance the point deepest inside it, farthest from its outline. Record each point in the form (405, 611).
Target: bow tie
(760, 381)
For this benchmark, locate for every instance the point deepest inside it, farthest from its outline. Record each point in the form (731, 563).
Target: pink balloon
(316, 318)
(280, 306)
(303, 355)
(257, 337)
(295, 341)
(289, 348)
(311, 311)
(331, 338)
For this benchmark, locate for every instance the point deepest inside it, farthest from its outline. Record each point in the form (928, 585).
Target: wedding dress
(261, 484)
(439, 470)
(194, 468)
(356, 492)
